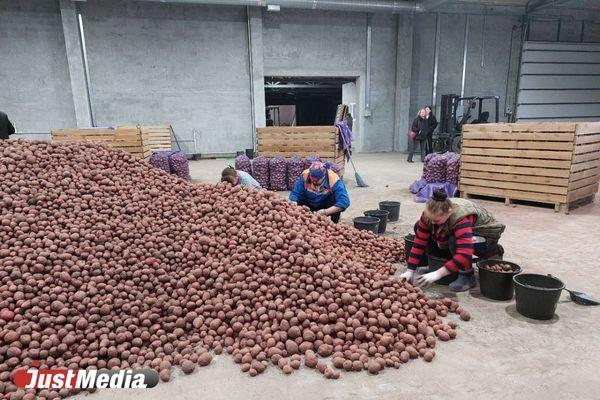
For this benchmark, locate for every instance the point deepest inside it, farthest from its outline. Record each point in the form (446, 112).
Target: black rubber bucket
(250, 153)
(497, 285)
(435, 263)
(409, 240)
(393, 207)
(366, 224)
(537, 295)
(382, 215)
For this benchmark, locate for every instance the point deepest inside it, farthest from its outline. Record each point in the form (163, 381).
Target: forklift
(451, 122)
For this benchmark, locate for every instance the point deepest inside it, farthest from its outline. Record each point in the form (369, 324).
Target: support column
(81, 99)
(255, 23)
(404, 49)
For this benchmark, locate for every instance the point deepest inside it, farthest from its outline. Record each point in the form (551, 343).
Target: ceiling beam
(431, 5)
(542, 4)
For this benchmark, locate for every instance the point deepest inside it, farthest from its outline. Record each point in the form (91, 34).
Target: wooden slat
(284, 153)
(585, 173)
(518, 145)
(527, 187)
(506, 169)
(531, 136)
(593, 138)
(514, 194)
(543, 180)
(83, 132)
(329, 137)
(587, 148)
(527, 162)
(289, 154)
(585, 165)
(302, 142)
(587, 128)
(583, 182)
(583, 192)
(318, 128)
(550, 155)
(586, 157)
(522, 127)
(83, 138)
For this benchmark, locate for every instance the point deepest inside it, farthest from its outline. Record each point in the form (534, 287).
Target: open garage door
(559, 82)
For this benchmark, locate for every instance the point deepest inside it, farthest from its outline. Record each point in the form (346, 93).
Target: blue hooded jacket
(305, 190)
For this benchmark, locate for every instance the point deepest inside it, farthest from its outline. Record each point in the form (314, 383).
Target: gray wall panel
(547, 89)
(561, 110)
(559, 82)
(554, 46)
(560, 69)
(590, 119)
(561, 56)
(559, 96)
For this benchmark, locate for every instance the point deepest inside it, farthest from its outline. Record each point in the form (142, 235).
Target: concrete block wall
(36, 90)
(187, 65)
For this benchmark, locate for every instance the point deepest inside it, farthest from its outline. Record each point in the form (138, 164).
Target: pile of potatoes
(106, 262)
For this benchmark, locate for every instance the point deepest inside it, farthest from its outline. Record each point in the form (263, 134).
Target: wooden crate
(547, 162)
(139, 140)
(300, 141)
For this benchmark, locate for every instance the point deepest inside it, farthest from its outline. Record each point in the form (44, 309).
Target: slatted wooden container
(300, 141)
(549, 162)
(139, 140)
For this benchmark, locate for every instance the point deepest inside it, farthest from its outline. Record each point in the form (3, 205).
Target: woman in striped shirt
(450, 224)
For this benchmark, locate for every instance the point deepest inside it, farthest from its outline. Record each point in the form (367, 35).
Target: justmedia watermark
(33, 378)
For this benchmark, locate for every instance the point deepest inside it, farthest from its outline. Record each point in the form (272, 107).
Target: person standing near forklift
(420, 128)
(432, 123)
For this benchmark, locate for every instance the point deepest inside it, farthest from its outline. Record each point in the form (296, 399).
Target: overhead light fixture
(273, 8)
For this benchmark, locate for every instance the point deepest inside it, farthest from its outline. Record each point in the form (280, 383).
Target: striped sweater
(462, 231)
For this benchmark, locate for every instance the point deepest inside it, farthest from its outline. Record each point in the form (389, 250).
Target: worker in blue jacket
(321, 190)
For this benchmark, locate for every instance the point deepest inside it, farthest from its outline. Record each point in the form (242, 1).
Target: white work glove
(322, 212)
(428, 279)
(408, 276)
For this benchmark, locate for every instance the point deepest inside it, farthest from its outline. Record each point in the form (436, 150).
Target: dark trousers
(430, 143)
(411, 148)
(329, 201)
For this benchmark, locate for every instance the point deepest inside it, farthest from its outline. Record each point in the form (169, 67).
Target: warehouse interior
(249, 199)
(130, 47)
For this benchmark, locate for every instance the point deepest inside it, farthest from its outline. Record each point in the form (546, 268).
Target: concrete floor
(497, 355)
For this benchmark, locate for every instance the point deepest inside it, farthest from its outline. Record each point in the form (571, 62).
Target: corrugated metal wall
(559, 81)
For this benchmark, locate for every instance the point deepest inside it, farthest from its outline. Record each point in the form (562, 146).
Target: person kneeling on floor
(321, 190)
(449, 224)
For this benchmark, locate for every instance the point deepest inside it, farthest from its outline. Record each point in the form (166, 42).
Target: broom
(360, 182)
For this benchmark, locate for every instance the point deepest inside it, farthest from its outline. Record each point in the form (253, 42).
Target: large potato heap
(108, 263)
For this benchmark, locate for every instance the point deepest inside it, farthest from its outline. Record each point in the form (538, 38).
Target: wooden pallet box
(547, 162)
(300, 141)
(139, 140)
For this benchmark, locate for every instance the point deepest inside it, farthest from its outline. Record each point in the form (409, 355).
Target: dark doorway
(315, 100)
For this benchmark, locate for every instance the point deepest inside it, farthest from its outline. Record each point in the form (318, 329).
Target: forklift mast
(451, 128)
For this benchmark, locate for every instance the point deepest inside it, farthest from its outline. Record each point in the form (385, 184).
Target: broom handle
(345, 145)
